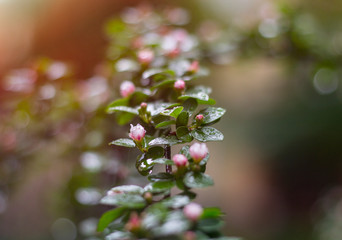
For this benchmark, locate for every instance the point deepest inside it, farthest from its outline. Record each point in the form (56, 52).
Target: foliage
(161, 60)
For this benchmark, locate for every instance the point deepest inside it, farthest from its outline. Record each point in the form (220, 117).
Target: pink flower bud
(179, 85)
(126, 88)
(199, 118)
(193, 211)
(143, 105)
(137, 133)
(189, 235)
(180, 160)
(145, 56)
(193, 67)
(148, 196)
(133, 223)
(198, 151)
(173, 53)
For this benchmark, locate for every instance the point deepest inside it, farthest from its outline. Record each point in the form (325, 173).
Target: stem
(168, 168)
(168, 156)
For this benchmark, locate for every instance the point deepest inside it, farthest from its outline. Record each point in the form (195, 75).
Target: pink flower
(126, 88)
(137, 133)
(179, 85)
(180, 160)
(193, 67)
(145, 56)
(193, 211)
(198, 151)
(199, 118)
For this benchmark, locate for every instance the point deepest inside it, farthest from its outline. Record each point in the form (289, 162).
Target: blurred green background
(276, 67)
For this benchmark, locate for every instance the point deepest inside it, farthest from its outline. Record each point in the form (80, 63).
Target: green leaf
(173, 112)
(139, 96)
(180, 184)
(155, 152)
(124, 200)
(168, 140)
(207, 134)
(149, 188)
(146, 141)
(197, 180)
(191, 195)
(190, 105)
(155, 214)
(124, 142)
(200, 96)
(145, 163)
(198, 92)
(204, 160)
(131, 189)
(185, 151)
(123, 118)
(157, 71)
(183, 134)
(122, 109)
(163, 185)
(109, 217)
(165, 124)
(150, 72)
(211, 212)
(212, 114)
(165, 83)
(201, 88)
(163, 161)
(157, 107)
(118, 102)
(175, 223)
(182, 119)
(161, 177)
(209, 225)
(210, 101)
(118, 235)
(177, 201)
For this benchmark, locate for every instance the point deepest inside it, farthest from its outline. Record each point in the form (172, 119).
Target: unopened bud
(148, 196)
(145, 56)
(174, 52)
(143, 105)
(134, 222)
(137, 133)
(180, 160)
(198, 151)
(199, 118)
(194, 67)
(126, 88)
(179, 85)
(189, 235)
(193, 211)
